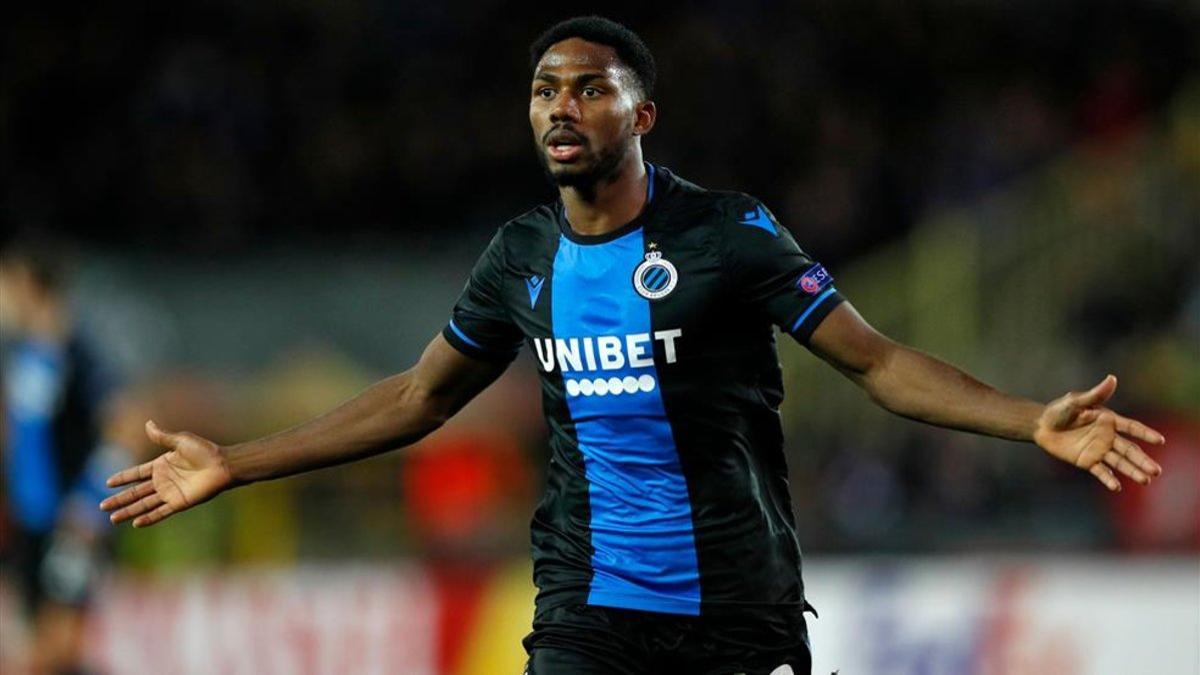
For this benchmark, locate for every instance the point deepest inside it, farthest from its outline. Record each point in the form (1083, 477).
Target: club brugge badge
(656, 277)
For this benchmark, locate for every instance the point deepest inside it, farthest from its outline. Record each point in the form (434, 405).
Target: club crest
(656, 277)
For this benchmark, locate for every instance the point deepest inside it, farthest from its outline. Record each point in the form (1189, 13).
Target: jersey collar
(652, 188)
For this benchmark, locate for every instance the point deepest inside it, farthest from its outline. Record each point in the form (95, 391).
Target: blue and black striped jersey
(667, 486)
(53, 396)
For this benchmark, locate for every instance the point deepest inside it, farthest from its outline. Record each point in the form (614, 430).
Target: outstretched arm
(392, 413)
(1075, 428)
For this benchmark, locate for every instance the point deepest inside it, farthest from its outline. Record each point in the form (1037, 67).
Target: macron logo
(759, 218)
(534, 284)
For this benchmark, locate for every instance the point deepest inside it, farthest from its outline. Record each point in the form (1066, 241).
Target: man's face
(16, 297)
(585, 110)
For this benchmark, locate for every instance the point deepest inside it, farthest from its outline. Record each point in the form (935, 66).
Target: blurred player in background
(61, 439)
(665, 541)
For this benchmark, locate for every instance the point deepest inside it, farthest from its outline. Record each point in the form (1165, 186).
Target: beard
(585, 178)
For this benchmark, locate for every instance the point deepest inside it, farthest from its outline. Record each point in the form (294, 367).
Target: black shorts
(53, 569)
(591, 640)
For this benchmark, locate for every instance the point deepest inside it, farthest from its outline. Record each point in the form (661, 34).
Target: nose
(566, 109)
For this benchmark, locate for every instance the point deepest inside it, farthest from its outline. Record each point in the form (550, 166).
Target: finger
(137, 509)
(128, 496)
(1097, 394)
(140, 472)
(154, 516)
(165, 439)
(1135, 454)
(1140, 431)
(1090, 415)
(1099, 470)
(1114, 460)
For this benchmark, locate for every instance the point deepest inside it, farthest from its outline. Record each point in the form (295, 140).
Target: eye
(544, 92)
(591, 92)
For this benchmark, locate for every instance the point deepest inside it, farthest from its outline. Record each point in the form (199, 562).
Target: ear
(645, 113)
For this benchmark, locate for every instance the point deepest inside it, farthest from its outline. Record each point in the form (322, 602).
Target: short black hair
(629, 47)
(47, 258)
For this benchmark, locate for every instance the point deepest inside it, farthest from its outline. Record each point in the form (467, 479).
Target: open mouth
(564, 146)
(565, 152)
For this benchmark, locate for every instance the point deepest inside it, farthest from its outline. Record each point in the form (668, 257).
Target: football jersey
(667, 486)
(53, 396)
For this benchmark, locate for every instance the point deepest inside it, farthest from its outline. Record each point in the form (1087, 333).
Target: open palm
(1078, 429)
(192, 472)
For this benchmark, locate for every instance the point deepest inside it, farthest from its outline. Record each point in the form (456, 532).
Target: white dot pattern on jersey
(614, 386)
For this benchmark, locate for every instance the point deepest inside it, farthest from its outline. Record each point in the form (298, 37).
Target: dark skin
(583, 97)
(588, 115)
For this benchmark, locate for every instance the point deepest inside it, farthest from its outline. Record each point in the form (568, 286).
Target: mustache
(564, 133)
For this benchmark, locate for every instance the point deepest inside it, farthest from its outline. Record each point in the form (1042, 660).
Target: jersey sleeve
(773, 274)
(480, 325)
(91, 487)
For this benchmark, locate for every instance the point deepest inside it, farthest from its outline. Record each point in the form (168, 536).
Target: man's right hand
(192, 472)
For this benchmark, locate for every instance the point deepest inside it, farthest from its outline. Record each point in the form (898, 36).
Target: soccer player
(61, 429)
(665, 540)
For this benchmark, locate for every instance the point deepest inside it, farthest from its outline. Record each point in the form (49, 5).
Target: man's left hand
(1078, 429)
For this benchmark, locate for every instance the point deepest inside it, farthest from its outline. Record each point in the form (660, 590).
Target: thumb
(1098, 394)
(160, 437)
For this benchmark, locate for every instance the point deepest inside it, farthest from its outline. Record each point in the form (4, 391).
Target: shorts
(54, 569)
(591, 640)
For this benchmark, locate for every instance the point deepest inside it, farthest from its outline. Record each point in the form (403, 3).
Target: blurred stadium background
(270, 205)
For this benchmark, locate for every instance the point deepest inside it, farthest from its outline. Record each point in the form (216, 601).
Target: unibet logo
(606, 353)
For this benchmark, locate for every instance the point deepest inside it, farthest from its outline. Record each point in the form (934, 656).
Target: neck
(612, 202)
